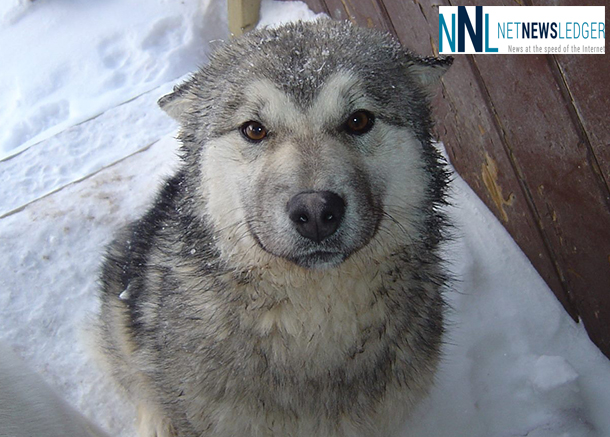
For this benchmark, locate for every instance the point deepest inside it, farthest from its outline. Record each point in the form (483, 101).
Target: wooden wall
(531, 135)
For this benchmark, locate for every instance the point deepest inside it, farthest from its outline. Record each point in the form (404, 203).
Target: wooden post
(243, 15)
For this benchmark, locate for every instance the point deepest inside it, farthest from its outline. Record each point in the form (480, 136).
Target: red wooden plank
(591, 99)
(411, 20)
(588, 89)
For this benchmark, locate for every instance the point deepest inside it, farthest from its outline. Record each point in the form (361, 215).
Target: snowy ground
(82, 148)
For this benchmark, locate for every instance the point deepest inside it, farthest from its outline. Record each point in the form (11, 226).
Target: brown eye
(254, 131)
(360, 122)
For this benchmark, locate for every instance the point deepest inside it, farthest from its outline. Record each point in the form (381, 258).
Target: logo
(522, 29)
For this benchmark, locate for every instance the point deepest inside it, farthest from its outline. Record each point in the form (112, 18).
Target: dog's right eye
(360, 122)
(254, 131)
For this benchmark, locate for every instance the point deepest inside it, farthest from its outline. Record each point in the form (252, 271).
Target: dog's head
(311, 142)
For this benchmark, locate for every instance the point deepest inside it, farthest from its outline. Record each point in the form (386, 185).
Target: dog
(287, 281)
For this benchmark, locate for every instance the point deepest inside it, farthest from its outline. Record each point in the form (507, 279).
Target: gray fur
(218, 318)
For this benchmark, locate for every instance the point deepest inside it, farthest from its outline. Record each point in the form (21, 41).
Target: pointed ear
(428, 70)
(177, 103)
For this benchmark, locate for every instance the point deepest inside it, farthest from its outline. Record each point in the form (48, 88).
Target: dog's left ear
(428, 70)
(177, 103)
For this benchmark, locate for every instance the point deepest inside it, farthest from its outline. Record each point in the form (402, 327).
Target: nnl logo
(463, 24)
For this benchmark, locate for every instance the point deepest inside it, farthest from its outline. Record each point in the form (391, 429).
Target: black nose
(316, 214)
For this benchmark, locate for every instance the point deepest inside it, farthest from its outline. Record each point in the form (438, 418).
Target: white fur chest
(317, 318)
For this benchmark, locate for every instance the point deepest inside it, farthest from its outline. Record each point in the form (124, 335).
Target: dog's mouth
(319, 259)
(312, 258)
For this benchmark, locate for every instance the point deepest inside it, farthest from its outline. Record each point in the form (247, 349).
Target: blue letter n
(442, 25)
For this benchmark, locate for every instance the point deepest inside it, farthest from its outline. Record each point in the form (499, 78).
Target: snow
(84, 148)
(85, 57)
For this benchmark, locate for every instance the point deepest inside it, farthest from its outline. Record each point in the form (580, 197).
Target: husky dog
(285, 282)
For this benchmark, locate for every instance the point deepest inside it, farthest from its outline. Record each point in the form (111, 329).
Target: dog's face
(310, 141)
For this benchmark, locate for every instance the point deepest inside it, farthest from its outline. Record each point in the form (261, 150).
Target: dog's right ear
(176, 103)
(428, 70)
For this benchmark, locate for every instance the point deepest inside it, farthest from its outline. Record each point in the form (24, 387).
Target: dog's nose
(316, 214)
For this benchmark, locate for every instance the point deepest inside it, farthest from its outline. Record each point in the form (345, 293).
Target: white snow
(66, 62)
(276, 13)
(84, 148)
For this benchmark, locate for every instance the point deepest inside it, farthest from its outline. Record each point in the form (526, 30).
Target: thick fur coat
(232, 309)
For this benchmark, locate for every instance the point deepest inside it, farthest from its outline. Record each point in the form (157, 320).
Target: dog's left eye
(254, 131)
(360, 122)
